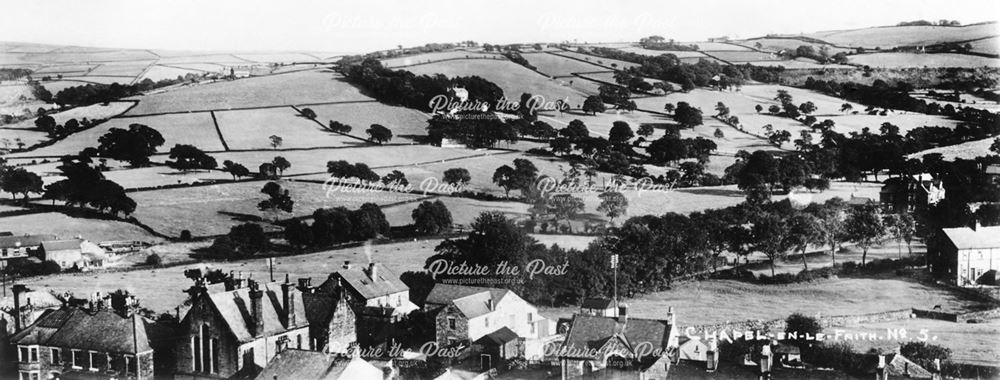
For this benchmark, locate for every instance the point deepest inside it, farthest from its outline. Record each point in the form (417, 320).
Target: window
(487, 321)
(399, 301)
(28, 375)
(56, 359)
(78, 359)
(98, 361)
(531, 317)
(298, 341)
(451, 323)
(532, 327)
(131, 365)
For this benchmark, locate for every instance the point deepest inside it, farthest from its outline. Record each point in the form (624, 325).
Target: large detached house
(240, 330)
(974, 254)
(92, 343)
(373, 285)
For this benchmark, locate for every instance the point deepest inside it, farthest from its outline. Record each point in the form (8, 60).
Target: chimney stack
(373, 271)
(623, 311)
(347, 264)
(305, 283)
(671, 316)
(256, 308)
(18, 289)
(766, 361)
(881, 372)
(288, 301)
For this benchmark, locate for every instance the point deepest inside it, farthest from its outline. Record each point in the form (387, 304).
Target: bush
(154, 260)
(185, 235)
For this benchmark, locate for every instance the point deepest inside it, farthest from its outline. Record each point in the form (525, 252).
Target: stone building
(332, 322)
(240, 330)
(638, 348)
(974, 254)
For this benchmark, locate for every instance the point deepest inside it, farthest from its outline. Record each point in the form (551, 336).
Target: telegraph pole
(614, 266)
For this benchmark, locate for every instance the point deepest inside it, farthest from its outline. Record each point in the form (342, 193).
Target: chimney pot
(347, 264)
(373, 271)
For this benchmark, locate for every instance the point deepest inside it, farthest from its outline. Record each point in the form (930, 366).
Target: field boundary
(245, 108)
(299, 111)
(222, 139)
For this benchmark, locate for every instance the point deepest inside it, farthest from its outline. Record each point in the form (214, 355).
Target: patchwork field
(438, 56)
(314, 160)
(405, 123)
(892, 60)
(190, 128)
(251, 129)
(778, 44)
(67, 227)
(91, 112)
(744, 56)
(511, 77)
(800, 63)
(100, 79)
(212, 210)
(888, 37)
(125, 69)
(285, 89)
(557, 66)
(158, 72)
(678, 53)
(604, 62)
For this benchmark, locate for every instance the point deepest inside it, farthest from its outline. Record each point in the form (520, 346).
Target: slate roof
(387, 281)
(61, 245)
(596, 303)
(689, 369)
(311, 365)
(899, 365)
(498, 337)
(588, 332)
(471, 301)
(104, 331)
(967, 238)
(38, 299)
(25, 240)
(234, 308)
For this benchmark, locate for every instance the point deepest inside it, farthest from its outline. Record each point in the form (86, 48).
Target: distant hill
(889, 37)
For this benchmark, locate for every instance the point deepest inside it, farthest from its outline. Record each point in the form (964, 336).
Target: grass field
(895, 60)
(437, 56)
(276, 57)
(91, 112)
(100, 79)
(194, 128)
(654, 53)
(67, 227)
(162, 176)
(251, 129)
(285, 89)
(511, 77)
(557, 66)
(314, 161)
(778, 44)
(969, 343)
(966, 151)
(988, 45)
(157, 73)
(463, 210)
(605, 62)
(212, 210)
(744, 56)
(162, 289)
(128, 69)
(888, 37)
(405, 123)
(699, 303)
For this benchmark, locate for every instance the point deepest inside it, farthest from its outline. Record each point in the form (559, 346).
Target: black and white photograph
(499, 189)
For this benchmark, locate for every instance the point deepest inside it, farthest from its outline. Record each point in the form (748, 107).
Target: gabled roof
(967, 238)
(471, 301)
(235, 309)
(61, 245)
(38, 299)
(312, 365)
(596, 303)
(899, 365)
(24, 240)
(500, 336)
(591, 332)
(104, 331)
(386, 281)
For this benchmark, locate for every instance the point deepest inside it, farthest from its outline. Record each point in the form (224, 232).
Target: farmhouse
(465, 314)
(81, 343)
(974, 254)
(377, 296)
(911, 193)
(239, 331)
(640, 348)
(21, 246)
(72, 253)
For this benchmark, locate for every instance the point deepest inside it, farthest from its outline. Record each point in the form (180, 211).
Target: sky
(366, 25)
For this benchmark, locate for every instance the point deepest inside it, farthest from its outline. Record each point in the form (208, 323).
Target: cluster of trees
(759, 173)
(476, 129)
(660, 43)
(346, 170)
(102, 93)
(415, 91)
(188, 157)
(133, 145)
(48, 124)
(521, 177)
(942, 22)
(86, 186)
(19, 181)
(669, 68)
(338, 225)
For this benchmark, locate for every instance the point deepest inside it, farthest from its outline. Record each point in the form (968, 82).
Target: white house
(975, 254)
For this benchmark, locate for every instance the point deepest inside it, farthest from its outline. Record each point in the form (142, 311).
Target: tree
(846, 107)
(46, 123)
(188, 157)
(504, 177)
(668, 108)
(457, 177)
(593, 104)
(280, 164)
(20, 181)
(645, 130)
(687, 116)
(770, 236)
(575, 130)
(774, 109)
(275, 141)
(802, 326)
(566, 207)
(830, 223)
(431, 217)
(235, 169)
(901, 227)
(379, 134)
(613, 204)
(759, 108)
(721, 110)
(924, 354)
(620, 132)
(807, 108)
(242, 241)
(865, 227)
(298, 233)
(134, 145)
(395, 178)
(336, 126)
(995, 147)
(779, 137)
(308, 113)
(278, 199)
(803, 230)
(520, 177)
(718, 134)
(667, 149)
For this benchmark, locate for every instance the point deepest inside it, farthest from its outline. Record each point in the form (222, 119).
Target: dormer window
(489, 304)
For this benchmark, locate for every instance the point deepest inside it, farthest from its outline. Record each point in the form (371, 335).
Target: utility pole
(614, 266)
